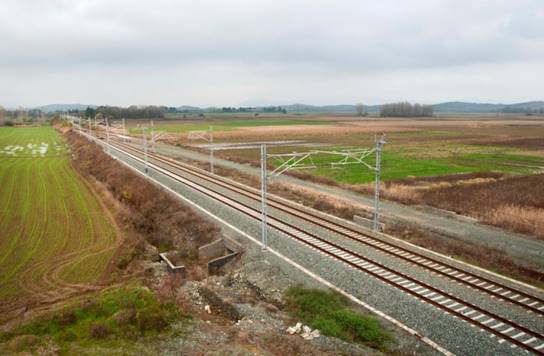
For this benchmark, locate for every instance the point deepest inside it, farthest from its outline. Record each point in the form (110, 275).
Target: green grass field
(226, 125)
(401, 164)
(54, 233)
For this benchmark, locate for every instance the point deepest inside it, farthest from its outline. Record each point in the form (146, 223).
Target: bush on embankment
(162, 219)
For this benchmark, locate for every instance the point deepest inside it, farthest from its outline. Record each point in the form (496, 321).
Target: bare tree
(405, 109)
(360, 109)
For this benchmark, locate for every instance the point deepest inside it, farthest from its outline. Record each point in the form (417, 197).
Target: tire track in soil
(35, 226)
(58, 288)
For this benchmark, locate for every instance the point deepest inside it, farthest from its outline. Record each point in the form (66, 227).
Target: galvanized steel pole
(145, 150)
(211, 149)
(124, 131)
(264, 230)
(377, 170)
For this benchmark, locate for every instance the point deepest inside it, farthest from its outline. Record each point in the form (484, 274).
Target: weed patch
(329, 312)
(128, 312)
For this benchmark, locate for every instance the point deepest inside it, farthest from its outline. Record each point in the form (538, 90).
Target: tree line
(405, 109)
(145, 112)
(132, 112)
(522, 110)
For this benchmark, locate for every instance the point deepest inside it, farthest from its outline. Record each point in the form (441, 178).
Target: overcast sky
(259, 52)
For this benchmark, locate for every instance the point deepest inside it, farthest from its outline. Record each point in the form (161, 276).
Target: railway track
(520, 298)
(506, 330)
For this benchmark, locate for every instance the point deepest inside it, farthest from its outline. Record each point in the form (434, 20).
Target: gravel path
(451, 333)
(524, 249)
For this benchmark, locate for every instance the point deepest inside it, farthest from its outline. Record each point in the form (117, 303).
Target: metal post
(264, 230)
(108, 135)
(124, 130)
(211, 149)
(80, 126)
(377, 170)
(145, 151)
(90, 128)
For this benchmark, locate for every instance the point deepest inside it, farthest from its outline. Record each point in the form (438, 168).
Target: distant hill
(450, 106)
(523, 107)
(463, 107)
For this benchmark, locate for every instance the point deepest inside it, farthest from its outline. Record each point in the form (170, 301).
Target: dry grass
(483, 256)
(514, 203)
(523, 219)
(397, 192)
(163, 220)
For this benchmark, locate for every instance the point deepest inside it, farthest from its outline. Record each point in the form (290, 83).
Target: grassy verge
(329, 312)
(110, 319)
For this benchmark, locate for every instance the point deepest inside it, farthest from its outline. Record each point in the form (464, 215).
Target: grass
(430, 149)
(400, 165)
(109, 319)
(54, 231)
(227, 125)
(329, 312)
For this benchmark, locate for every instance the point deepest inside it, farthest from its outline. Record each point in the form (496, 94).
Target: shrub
(328, 327)
(359, 327)
(99, 330)
(152, 319)
(307, 303)
(128, 312)
(163, 220)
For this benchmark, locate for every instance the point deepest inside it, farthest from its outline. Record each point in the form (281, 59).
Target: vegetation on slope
(161, 219)
(114, 318)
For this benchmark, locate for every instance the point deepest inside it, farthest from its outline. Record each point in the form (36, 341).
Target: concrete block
(216, 264)
(171, 267)
(212, 250)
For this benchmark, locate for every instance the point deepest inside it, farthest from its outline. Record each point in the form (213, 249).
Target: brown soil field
(535, 143)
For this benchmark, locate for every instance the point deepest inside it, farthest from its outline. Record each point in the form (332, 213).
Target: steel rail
(525, 300)
(423, 291)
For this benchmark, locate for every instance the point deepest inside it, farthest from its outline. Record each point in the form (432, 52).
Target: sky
(270, 52)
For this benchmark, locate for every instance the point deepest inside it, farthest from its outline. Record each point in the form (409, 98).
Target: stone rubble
(307, 332)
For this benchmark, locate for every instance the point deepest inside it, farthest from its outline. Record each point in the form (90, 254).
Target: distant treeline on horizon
(405, 109)
(398, 109)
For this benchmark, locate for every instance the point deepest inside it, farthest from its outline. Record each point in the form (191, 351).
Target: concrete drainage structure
(171, 266)
(219, 252)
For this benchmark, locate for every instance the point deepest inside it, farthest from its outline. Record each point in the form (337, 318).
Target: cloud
(228, 52)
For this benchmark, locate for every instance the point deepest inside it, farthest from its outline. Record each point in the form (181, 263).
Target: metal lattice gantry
(145, 146)
(289, 161)
(304, 160)
(206, 136)
(154, 137)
